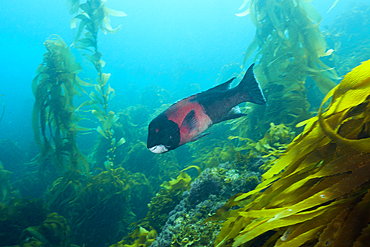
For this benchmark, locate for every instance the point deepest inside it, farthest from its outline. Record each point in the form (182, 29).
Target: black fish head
(163, 135)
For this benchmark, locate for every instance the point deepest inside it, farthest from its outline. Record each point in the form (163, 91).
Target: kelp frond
(54, 120)
(92, 16)
(288, 46)
(318, 192)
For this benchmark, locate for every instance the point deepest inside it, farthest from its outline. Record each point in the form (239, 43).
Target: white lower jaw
(158, 149)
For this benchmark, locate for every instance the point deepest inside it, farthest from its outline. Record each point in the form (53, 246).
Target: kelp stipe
(288, 46)
(54, 120)
(317, 193)
(94, 16)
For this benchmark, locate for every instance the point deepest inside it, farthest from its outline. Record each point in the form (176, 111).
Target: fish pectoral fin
(199, 136)
(189, 124)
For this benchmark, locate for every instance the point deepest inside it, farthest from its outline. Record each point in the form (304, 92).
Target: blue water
(169, 43)
(179, 46)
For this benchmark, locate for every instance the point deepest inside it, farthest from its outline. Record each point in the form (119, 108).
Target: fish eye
(156, 130)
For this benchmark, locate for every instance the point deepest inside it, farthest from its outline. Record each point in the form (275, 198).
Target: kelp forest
(293, 173)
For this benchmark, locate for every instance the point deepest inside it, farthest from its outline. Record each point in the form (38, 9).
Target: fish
(188, 119)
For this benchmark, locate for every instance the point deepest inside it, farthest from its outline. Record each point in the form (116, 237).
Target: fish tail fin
(252, 88)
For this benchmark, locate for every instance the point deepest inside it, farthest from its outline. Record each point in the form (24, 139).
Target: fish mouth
(158, 149)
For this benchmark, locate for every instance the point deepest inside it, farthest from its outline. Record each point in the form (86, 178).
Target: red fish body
(187, 119)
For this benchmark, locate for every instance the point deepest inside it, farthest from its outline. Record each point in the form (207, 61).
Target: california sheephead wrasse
(187, 119)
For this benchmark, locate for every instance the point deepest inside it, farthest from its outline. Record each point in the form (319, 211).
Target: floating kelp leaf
(96, 97)
(251, 48)
(112, 118)
(101, 131)
(97, 108)
(108, 165)
(73, 6)
(113, 12)
(75, 68)
(244, 4)
(82, 25)
(193, 166)
(104, 79)
(329, 52)
(83, 83)
(109, 29)
(86, 7)
(244, 13)
(95, 57)
(312, 13)
(98, 115)
(98, 89)
(120, 142)
(110, 92)
(34, 83)
(86, 103)
(81, 17)
(86, 42)
(335, 3)
(80, 128)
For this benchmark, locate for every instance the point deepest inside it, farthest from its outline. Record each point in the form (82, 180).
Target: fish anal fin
(234, 113)
(189, 124)
(199, 136)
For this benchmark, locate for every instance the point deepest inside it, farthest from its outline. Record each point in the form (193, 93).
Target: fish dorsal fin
(189, 124)
(222, 87)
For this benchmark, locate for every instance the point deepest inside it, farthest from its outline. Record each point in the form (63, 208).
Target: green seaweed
(54, 120)
(101, 210)
(140, 237)
(317, 193)
(93, 16)
(166, 200)
(288, 45)
(54, 231)
(348, 35)
(17, 215)
(5, 188)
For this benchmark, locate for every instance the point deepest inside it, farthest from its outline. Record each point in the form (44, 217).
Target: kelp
(5, 188)
(17, 215)
(165, 201)
(317, 193)
(288, 46)
(63, 191)
(270, 147)
(93, 16)
(160, 206)
(101, 211)
(140, 237)
(54, 231)
(54, 120)
(349, 36)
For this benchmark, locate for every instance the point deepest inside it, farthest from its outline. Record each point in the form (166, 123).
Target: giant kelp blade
(319, 190)
(335, 3)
